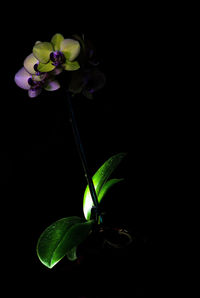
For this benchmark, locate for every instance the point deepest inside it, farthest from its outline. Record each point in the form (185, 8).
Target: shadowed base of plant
(107, 240)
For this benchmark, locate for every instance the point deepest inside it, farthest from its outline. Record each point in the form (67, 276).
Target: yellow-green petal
(67, 55)
(72, 47)
(36, 78)
(39, 77)
(29, 63)
(71, 66)
(56, 41)
(42, 51)
(45, 67)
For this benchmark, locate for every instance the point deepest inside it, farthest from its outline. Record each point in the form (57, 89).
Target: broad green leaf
(56, 41)
(106, 187)
(104, 172)
(99, 179)
(70, 46)
(45, 67)
(76, 235)
(51, 246)
(71, 66)
(42, 51)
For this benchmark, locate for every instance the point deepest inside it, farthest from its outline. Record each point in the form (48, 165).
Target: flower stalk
(83, 159)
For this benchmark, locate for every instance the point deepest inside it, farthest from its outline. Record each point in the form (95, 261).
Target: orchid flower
(87, 82)
(34, 82)
(60, 53)
(47, 60)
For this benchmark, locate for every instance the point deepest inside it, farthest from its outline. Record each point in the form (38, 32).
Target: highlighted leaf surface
(101, 182)
(62, 238)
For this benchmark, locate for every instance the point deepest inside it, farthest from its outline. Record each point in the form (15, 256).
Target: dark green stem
(83, 157)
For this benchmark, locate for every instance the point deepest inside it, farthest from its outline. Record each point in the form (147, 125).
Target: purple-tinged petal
(21, 79)
(52, 86)
(34, 92)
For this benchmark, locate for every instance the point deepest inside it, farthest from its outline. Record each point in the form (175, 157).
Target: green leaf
(71, 66)
(104, 172)
(56, 41)
(106, 187)
(45, 67)
(52, 246)
(77, 234)
(99, 179)
(42, 51)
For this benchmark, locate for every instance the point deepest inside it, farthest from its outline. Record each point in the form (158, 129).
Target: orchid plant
(41, 69)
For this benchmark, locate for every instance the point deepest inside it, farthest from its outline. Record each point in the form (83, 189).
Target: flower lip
(57, 58)
(35, 67)
(34, 84)
(30, 82)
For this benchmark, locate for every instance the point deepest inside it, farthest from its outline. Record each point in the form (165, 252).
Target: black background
(41, 175)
